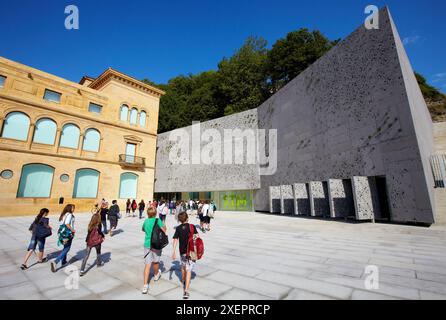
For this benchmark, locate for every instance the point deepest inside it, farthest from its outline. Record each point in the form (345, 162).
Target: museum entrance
(383, 199)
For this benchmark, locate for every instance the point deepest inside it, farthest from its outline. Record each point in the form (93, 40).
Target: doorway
(383, 199)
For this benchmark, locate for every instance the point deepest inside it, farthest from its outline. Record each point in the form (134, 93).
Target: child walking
(94, 239)
(182, 233)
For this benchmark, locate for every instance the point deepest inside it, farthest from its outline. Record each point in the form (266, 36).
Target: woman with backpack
(134, 207)
(128, 207)
(94, 239)
(40, 230)
(66, 234)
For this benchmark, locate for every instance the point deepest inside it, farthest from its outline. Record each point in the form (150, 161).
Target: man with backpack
(191, 249)
(152, 254)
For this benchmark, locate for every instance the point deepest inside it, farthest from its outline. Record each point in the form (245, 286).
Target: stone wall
(351, 114)
(200, 177)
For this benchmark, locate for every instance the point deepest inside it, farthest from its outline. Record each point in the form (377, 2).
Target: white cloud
(411, 40)
(440, 75)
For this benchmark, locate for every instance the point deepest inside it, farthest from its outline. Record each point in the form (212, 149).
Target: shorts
(187, 263)
(36, 242)
(151, 256)
(207, 219)
(201, 217)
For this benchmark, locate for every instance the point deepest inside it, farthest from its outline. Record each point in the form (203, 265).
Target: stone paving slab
(248, 256)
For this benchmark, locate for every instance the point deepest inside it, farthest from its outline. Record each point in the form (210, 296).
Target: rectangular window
(2, 81)
(95, 108)
(52, 96)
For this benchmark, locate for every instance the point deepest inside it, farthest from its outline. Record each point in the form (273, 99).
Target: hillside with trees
(249, 77)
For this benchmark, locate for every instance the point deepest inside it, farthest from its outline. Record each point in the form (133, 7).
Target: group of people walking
(186, 236)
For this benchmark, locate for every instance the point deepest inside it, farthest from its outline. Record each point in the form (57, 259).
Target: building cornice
(111, 74)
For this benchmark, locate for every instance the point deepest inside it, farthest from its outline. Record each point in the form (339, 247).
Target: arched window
(92, 140)
(45, 131)
(86, 184)
(128, 186)
(142, 118)
(70, 136)
(35, 181)
(16, 126)
(124, 112)
(133, 116)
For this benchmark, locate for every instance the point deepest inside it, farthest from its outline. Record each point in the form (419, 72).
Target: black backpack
(159, 238)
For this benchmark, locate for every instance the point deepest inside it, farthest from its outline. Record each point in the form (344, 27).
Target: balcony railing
(131, 161)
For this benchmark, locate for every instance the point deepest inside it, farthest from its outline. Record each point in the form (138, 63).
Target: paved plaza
(247, 256)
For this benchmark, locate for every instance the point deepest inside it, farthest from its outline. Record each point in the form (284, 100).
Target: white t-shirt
(69, 219)
(204, 210)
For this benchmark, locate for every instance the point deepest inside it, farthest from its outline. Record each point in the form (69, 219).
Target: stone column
(57, 140)
(1, 124)
(81, 144)
(29, 141)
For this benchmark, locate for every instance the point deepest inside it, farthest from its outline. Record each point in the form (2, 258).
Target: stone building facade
(64, 142)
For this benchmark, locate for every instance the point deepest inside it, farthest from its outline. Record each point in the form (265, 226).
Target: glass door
(130, 152)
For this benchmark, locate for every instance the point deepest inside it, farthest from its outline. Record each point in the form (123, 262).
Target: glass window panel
(92, 140)
(95, 108)
(45, 131)
(142, 119)
(128, 186)
(86, 184)
(130, 153)
(70, 136)
(52, 96)
(124, 113)
(35, 181)
(2, 81)
(133, 116)
(16, 126)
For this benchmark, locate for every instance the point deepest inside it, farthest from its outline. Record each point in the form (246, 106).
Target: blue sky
(163, 39)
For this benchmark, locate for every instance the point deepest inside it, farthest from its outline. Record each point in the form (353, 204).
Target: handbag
(43, 231)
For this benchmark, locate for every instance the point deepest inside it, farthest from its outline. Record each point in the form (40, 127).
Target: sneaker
(81, 273)
(145, 289)
(23, 267)
(53, 267)
(157, 276)
(186, 295)
(100, 264)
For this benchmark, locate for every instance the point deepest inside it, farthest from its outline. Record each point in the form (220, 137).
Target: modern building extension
(354, 139)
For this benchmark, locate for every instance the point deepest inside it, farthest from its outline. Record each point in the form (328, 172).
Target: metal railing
(438, 166)
(133, 161)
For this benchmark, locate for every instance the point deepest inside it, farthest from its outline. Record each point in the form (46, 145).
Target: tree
(241, 78)
(428, 91)
(293, 54)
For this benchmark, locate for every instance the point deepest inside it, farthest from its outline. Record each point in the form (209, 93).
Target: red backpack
(94, 238)
(195, 245)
